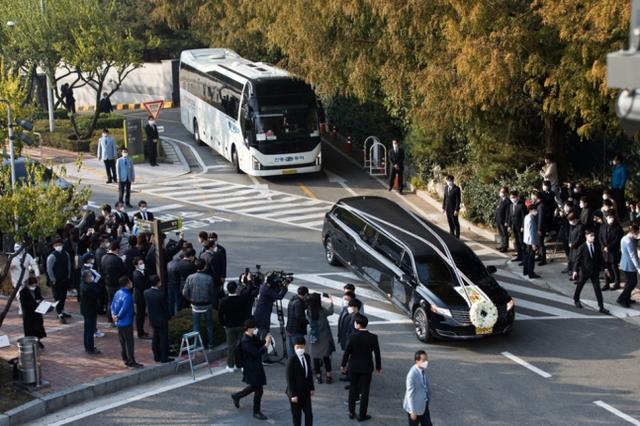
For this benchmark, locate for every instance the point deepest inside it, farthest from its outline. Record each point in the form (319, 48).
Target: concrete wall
(150, 82)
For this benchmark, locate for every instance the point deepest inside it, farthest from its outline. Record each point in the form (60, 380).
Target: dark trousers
(125, 336)
(392, 176)
(152, 152)
(630, 282)
(160, 344)
(175, 300)
(454, 224)
(618, 197)
(233, 335)
(90, 323)
(504, 237)
(572, 257)
(110, 167)
(542, 249)
(59, 290)
(257, 396)
(327, 364)
(612, 273)
(303, 404)
(111, 291)
(595, 281)
(423, 420)
(529, 261)
(518, 237)
(141, 308)
(359, 385)
(124, 192)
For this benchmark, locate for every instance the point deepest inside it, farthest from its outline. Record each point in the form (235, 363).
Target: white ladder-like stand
(192, 345)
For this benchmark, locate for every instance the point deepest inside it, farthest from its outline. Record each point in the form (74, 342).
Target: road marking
(525, 364)
(617, 412)
(334, 178)
(562, 313)
(361, 290)
(118, 401)
(306, 190)
(194, 151)
(296, 212)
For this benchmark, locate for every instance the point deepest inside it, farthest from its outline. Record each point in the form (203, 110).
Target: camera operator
(250, 283)
(233, 313)
(296, 318)
(270, 291)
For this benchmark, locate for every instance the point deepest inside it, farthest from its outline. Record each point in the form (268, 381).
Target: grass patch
(10, 397)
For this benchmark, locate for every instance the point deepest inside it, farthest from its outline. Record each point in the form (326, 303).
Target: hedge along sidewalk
(93, 170)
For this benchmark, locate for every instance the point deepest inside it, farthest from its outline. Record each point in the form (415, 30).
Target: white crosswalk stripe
(245, 200)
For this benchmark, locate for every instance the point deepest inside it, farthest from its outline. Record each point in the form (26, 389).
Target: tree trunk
(14, 293)
(96, 113)
(555, 143)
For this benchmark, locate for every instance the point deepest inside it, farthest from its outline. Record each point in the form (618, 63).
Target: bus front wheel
(235, 160)
(196, 133)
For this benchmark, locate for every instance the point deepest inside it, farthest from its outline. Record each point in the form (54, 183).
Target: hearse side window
(405, 264)
(388, 248)
(351, 220)
(433, 270)
(369, 235)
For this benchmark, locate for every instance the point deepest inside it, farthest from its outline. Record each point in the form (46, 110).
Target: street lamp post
(11, 137)
(49, 90)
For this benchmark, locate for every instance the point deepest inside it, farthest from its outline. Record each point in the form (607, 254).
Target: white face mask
(152, 123)
(255, 331)
(143, 209)
(351, 309)
(423, 365)
(141, 266)
(449, 183)
(514, 200)
(58, 248)
(345, 302)
(104, 135)
(610, 220)
(125, 154)
(299, 351)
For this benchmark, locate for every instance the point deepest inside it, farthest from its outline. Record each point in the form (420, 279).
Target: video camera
(249, 278)
(279, 279)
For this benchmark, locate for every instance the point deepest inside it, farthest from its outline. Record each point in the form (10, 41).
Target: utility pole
(52, 126)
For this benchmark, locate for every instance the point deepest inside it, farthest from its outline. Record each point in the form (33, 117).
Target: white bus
(259, 117)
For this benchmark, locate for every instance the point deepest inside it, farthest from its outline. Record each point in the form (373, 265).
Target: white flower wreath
(483, 314)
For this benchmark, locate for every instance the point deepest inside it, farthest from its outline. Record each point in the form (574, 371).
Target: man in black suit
(516, 223)
(142, 213)
(451, 206)
(396, 158)
(576, 239)
(300, 383)
(587, 266)
(543, 224)
(153, 139)
(502, 218)
(358, 356)
(121, 217)
(159, 319)
(609, 237)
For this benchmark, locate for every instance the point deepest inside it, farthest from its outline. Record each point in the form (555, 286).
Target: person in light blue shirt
(629, 264)
(531, 241)
(619, 177)
(122, 313)
(126, 176)
(107, 153)
(418, 393)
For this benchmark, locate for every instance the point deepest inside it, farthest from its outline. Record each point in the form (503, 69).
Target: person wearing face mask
(619, 177)
(126, 175)
(576, 239)
(15, 269)
(501, 218)
(418, 393)
(89, 306)
(252, 350)
(345, 322)
(140, 284)
(357, 356)
(300, 386)
(587, 265)
(32, 322)
(88, 264)
(451, 206)
(113, 269)
(143, 213)
(396, 158)
(351, 288)
(122, 313)
(629, 264)
(516, 223)
(531, 241)
(610, 235)
(151, 130)
(543, 224)
(107, 153)
(586, 212)
(59, 268)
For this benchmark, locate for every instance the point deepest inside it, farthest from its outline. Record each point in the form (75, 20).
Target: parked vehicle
(22, 164)
(410, 261)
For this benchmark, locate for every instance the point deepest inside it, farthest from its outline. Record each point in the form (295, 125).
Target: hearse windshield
(432, 270)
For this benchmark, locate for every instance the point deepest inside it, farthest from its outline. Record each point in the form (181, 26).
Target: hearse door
(382, 263)
(403, 289)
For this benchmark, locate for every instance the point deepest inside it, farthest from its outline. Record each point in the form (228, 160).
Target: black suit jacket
(576, 235)
(609, 236)
(152, 132)
(588, 264)
(502, 212)
(397, 157)
(451, 201)
(358, 352)
(516, 216)
(112, 269)
(299, 384)
(157, 308)
(138, 215)
(122, 219)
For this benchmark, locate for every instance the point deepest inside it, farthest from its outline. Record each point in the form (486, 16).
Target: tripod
(283, 333)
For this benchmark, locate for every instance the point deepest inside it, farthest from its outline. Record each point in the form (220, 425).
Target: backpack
(238, 355)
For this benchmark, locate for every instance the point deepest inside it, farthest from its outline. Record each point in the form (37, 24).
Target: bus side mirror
(492, 269)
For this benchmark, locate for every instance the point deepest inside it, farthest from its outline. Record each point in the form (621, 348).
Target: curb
(120, 107)
(47, 404)
(183, 161)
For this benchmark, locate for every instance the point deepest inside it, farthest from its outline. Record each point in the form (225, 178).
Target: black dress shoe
(623, 304)
(632, 301)
(168, 360)
(130, 206)
(542, 263)
(578, 304)
(364, 419)
(565, 271)
(616, 287)
(534, 276)
(605, 287)
(260, 416)
(520, 263)
(604, 311)
(352, 415)
(319, 379)
(236, 401)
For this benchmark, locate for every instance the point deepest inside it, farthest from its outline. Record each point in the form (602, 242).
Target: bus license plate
(480, 330)
(289, 172)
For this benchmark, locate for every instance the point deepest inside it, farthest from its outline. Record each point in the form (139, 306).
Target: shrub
(181, 323)
(105, 121)
(59, 114)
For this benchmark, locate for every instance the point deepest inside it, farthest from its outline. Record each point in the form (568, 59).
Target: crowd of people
(587, 227)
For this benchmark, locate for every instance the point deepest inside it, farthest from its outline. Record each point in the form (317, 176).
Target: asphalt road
(560, 366)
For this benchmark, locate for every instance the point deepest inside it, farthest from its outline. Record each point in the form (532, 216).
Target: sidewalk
(483, 240)
(93, 170)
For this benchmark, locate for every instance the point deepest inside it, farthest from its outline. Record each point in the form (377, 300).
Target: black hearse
(397, 252)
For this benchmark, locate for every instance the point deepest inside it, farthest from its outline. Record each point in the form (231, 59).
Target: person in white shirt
(531, 242)
(15, 269)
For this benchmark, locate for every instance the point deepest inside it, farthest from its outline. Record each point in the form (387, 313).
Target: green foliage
(105, 121)
(37, 207)
(63, 137)
(12, 90)
(181, 323)
(59, 114)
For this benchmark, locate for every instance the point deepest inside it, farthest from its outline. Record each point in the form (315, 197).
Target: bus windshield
(275, 122)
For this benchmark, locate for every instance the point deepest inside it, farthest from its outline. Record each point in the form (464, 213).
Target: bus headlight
(441, 311)
(319, 159)
(256, 163)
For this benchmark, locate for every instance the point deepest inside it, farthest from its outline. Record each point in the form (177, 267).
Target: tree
(13, 90)
(36, 208)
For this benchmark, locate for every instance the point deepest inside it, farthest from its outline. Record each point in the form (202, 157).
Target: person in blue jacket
(619, 177)
(122, 313)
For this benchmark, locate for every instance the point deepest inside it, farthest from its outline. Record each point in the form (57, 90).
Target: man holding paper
(30, 298)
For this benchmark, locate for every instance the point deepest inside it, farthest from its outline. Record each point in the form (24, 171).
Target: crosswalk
(252, 201)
